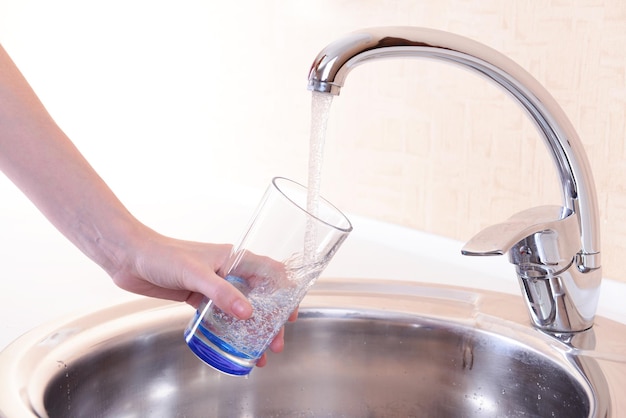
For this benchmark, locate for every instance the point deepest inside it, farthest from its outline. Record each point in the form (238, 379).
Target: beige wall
(217, 92)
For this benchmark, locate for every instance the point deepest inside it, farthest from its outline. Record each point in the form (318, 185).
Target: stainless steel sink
(359, 349)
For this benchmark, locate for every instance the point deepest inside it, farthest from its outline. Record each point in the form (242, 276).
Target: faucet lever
(543, 244)
(543, 238)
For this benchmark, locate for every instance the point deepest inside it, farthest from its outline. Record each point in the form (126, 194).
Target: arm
(41, 160)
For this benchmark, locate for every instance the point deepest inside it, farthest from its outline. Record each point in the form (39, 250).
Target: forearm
(38, 157)
(41, 160)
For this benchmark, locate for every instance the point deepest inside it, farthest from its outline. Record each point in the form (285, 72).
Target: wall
(169, 100)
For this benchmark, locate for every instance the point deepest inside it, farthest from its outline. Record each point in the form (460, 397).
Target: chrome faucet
(556, 249)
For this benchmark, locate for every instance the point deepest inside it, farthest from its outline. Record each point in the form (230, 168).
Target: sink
(360, 348)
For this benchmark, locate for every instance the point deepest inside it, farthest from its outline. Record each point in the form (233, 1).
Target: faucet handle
(542, 239)
(544, 244)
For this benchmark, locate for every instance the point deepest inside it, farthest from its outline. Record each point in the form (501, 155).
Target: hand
(184, 271)
(162, 267)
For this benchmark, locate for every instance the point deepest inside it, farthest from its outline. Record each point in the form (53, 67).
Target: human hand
(167, 268)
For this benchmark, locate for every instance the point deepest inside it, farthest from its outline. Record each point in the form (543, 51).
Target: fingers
(277, 345)
(225, 296)
(193, 267)
(294, 315)
(253, 265)
(194, 299)
(241, 308)
(262, 361)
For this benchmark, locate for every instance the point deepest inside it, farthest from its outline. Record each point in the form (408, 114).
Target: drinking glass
(282, 252)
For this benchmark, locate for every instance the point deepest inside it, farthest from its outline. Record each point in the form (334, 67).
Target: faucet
(555, 249)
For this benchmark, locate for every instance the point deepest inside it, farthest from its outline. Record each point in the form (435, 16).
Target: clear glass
(283, 251)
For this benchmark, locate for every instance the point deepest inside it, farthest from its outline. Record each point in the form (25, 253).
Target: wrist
(113, 247)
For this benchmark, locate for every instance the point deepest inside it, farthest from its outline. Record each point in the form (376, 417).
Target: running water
(233, 345)
(320, 110)
(274, 303)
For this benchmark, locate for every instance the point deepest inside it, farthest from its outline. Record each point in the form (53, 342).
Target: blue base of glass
(214, 358)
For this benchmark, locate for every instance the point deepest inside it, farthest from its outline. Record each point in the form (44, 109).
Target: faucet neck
(333, 63)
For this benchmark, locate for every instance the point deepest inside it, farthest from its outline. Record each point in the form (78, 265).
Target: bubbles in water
(272, 304)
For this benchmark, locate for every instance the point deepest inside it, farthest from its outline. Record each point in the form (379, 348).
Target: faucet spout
(332, 65)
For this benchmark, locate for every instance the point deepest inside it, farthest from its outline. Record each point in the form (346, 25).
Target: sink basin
(359, 349)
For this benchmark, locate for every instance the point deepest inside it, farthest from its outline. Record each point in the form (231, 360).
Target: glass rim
(277, 179)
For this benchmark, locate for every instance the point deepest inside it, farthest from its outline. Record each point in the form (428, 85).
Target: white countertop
(44, 277)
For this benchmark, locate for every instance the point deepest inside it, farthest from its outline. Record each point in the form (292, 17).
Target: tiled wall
(215, 91)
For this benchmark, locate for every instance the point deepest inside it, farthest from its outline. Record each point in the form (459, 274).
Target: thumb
(225, 296)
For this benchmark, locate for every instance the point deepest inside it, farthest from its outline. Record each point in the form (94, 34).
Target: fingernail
(242, 309)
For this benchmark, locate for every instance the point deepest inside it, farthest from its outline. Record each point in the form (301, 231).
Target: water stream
(320, 111)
